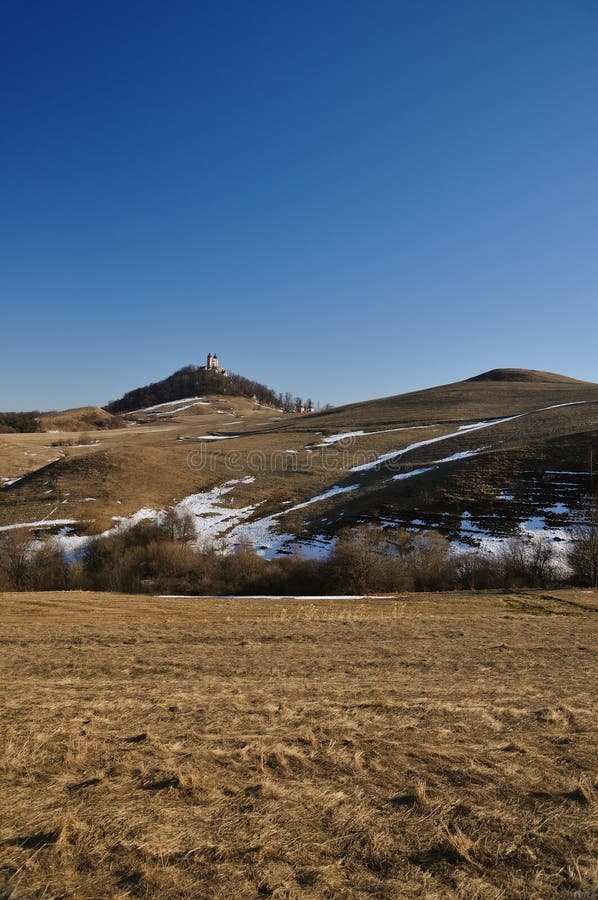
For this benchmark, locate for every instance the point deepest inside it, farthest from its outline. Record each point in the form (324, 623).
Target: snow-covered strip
(463, 454)
(560, 405)
(7, 482)
(168, 403)
(43, 523)
(473, 425)
(171, 412)
(343, 436)
(274, 596)
(332, 492)
(403, 475)
(395, 454)
(347, 435)
(463, 430)
(217, 437)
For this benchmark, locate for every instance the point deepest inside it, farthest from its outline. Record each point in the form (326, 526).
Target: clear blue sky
(343, 199)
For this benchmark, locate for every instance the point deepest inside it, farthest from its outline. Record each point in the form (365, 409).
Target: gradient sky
(343, 199)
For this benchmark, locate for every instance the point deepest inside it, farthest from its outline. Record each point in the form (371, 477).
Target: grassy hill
(526, 376)
(82, 419)
(191, 381)
(472, 459)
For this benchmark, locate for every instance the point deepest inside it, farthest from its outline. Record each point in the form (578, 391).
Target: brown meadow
(407, 746)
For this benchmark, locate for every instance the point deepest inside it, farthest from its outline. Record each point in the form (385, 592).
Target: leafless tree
(583, 555)
(16, 550)
(178, 525)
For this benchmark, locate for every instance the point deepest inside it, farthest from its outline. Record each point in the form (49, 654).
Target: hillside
(526, 376)
(474, 460)
(82, 419)
(191, 381)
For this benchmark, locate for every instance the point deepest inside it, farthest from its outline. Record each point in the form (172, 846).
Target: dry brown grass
(148, 464)
(130, 467)
(411, 746)
(79, 419)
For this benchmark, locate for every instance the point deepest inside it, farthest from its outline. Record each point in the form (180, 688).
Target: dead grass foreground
(416, 746)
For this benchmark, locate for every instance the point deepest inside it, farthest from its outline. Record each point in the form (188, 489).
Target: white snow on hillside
(463, 429)
(43, 523)
(463, 454)
(217, 437)
(230, 527)
(147, 409)
(347, 435)
(7, 482)
(261, 534)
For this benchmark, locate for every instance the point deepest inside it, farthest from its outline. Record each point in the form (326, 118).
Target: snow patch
(217, 437)
(463, 429)
(43, 523)
(168, 403)
(347, 435)
(462, 454)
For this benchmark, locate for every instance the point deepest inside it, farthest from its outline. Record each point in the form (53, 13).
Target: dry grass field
(414, 746)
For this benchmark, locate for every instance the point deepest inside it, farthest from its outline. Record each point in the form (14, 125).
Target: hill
(84, 418)
(526, 376)
(191, 381)
(474, 460)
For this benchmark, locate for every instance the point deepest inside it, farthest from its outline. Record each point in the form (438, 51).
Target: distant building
(213, 366)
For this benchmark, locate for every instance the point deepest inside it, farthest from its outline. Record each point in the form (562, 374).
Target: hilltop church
(212, 365)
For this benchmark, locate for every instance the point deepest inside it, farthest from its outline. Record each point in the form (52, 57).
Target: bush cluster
(162, 557)
(11, 422)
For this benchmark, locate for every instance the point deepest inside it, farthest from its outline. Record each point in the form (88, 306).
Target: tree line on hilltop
(192, 381)
(21, 422)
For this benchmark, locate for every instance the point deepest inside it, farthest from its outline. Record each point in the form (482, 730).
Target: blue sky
(343, 199)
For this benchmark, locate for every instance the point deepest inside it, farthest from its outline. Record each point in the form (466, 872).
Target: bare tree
(15, 556)
(583, 555)
(526, 561)
(178, 525)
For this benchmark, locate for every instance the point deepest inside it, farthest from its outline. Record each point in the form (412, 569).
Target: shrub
(583, 555)
(48, 568)
(526, 561)
(16, 549)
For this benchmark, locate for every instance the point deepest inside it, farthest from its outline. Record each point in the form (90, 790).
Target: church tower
(212, 364)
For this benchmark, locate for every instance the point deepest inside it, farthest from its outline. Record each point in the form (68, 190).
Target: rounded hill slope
(525, 375)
